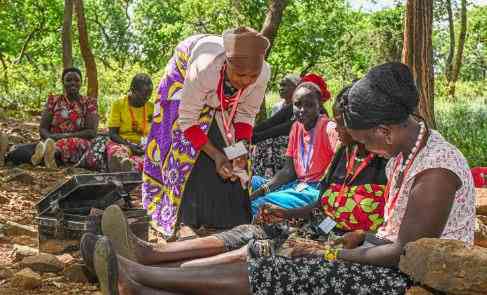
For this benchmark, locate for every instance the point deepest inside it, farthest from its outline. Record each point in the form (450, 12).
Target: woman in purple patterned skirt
(208, 98)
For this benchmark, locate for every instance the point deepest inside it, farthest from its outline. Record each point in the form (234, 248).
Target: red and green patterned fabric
(358, 207)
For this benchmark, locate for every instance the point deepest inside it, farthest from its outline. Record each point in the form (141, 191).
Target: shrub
(465, 125)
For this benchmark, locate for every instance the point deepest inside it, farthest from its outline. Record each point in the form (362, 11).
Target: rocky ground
(24, 270)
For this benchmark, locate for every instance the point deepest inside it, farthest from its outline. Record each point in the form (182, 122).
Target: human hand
(240, 163)
(224, 167)
(351, 240)
(303, 249)
(58, 136)
(270, 214)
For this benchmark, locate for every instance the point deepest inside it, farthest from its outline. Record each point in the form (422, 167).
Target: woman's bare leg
(235, 256)
(151, 254)
(220, 279)
(127, 286)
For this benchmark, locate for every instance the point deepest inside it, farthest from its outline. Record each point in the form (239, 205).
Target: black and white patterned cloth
(270, 156)
(281, 275)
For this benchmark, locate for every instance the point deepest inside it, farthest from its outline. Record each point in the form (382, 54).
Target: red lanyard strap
(232, 102)
(351, 175)
(392, 203)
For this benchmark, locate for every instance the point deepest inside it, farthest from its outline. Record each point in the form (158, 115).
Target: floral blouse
(69, 116)
(437, 153)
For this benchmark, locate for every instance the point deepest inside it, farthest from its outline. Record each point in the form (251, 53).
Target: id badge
(327, 225)
(301, 186)
(236, 150)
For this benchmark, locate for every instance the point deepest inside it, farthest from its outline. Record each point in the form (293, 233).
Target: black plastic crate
(63, 212)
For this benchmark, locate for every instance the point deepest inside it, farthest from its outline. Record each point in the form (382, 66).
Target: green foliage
(464, 124)
(323, 36)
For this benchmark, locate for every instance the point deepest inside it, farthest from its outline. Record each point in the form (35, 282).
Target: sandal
(106, 266)
(115, 227)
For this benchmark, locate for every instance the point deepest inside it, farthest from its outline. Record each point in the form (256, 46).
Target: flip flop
(38, 155)
(49, 154)
(115, 227)
(106, 266)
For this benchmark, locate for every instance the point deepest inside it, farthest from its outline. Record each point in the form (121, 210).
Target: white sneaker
(3, 148)
(49, 154)
(38, 155)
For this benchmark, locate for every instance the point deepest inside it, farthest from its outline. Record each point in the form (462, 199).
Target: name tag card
(301, 186)
(235, 151)
(327, 225)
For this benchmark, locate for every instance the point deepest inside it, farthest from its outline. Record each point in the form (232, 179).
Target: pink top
(437, 153)
(317, 143)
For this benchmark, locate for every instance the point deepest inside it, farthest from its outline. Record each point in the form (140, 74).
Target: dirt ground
(17, 203)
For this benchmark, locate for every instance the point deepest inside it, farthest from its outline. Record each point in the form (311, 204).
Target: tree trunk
(451, 50)
(66, 36)
(459, 51)
(273, 20)
(269, 29)
(88, 57)
(5, 73)
(418, 54)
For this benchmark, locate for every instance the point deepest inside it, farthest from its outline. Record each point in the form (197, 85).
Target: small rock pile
(32, 270)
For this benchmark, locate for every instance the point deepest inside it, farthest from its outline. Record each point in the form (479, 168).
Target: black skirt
(210, 201)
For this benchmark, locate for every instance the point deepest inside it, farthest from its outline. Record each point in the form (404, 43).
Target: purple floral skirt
(175, 174)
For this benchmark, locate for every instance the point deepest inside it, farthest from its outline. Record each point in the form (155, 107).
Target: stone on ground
(16, 229)
(5, 273)
(19, 252)
(481, 202)
(27, 279)
(481, 231)
(418, 291)
(43, 263)
(446, 265)
(75, 273)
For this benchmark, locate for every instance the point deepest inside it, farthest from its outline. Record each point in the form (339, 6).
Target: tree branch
(273, 20)
(26, 43)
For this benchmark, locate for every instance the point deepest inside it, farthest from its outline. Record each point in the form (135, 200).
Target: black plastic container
(63, 214)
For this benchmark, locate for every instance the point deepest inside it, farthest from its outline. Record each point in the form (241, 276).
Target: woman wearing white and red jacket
(208, 99)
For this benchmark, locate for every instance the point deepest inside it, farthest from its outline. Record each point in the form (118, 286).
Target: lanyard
(232, 102)
(306, 156)
(391, 203)
(134, 121)
(351, 175)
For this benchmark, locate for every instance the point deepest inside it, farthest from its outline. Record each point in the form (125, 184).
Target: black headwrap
(386, 95)
(69, 70)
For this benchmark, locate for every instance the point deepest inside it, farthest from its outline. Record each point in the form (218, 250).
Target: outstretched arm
(426, 215)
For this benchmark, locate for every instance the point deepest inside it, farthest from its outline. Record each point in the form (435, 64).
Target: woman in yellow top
(129, 125)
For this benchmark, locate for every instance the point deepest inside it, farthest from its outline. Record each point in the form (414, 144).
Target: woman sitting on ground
(129, 124)
(379, 114)
(361, 186)
(68, 123)
(309, 152)
(271, 135)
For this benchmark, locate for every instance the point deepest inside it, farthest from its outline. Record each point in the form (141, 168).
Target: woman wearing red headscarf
(309, 152)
